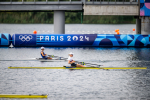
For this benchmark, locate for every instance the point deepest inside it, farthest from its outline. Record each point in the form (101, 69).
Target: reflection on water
(77, 84)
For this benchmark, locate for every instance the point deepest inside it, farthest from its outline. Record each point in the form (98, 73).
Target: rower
(43, 54)
(72, 62)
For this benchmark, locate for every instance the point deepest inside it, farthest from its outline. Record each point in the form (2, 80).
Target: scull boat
(50, 60)
(37, 59)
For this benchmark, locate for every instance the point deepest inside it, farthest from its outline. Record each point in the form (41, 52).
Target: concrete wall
(145, 25)
(111, 10)
(59, 22)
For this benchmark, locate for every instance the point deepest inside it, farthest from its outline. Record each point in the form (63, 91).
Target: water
(69, 28)
(75, 84)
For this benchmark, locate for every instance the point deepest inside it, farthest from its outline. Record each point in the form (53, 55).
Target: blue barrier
(5, 39)
(24, 40)
(90, 40)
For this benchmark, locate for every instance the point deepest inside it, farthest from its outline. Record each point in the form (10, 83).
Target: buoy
(117, 32)
(133, 29)
(34, 32)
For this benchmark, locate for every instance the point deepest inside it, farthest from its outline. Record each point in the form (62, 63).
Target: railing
(41, 2)
(35, 0)
(111, 0)
(88, 2)
(115, 2)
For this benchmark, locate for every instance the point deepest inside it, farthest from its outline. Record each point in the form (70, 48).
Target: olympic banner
(24, 40)
(65, 39)
(5, 39)
(145, 8)
(81, 40)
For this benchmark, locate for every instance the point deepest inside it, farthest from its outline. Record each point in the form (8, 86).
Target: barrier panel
(24, 40)
(5, 40)
(89, 40)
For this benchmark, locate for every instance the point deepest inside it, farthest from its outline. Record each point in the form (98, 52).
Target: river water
(59, 84)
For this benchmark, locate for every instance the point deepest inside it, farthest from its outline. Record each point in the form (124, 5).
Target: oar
(60, 58)
(82, 63)
(52, 56)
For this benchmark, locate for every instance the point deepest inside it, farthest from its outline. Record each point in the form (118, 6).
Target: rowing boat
(37, 59)
(50, 60)
(69, 67)
(22, 96)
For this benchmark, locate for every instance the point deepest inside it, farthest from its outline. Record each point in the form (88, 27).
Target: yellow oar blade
(21, 96)
(77, 68)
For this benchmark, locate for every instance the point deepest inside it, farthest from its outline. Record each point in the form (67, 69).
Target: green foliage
(4, 0)
(108, 19)
(70, 17)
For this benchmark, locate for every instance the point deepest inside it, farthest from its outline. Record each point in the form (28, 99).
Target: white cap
(42, 48)
(70, 53)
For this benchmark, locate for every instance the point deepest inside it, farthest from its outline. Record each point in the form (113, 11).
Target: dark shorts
(73, 64)
(45, 57)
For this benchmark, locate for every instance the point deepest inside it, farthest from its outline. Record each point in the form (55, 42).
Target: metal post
(138, 25)
(59, 22)
(82, 17)
(139, 6)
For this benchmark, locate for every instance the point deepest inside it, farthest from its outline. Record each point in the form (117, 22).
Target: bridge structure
(140, 9)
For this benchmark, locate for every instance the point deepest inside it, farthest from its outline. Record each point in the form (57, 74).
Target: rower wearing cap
(43, 54)
(72, 62)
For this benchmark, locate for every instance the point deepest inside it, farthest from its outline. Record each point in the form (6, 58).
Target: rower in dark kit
(72, 62)
(43, 54)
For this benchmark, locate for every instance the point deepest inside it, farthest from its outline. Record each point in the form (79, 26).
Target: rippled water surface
(63, 84)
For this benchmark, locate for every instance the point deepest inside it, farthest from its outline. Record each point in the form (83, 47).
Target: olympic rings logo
(25, 37)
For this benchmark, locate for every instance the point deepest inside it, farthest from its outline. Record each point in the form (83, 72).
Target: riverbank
(70, 18)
